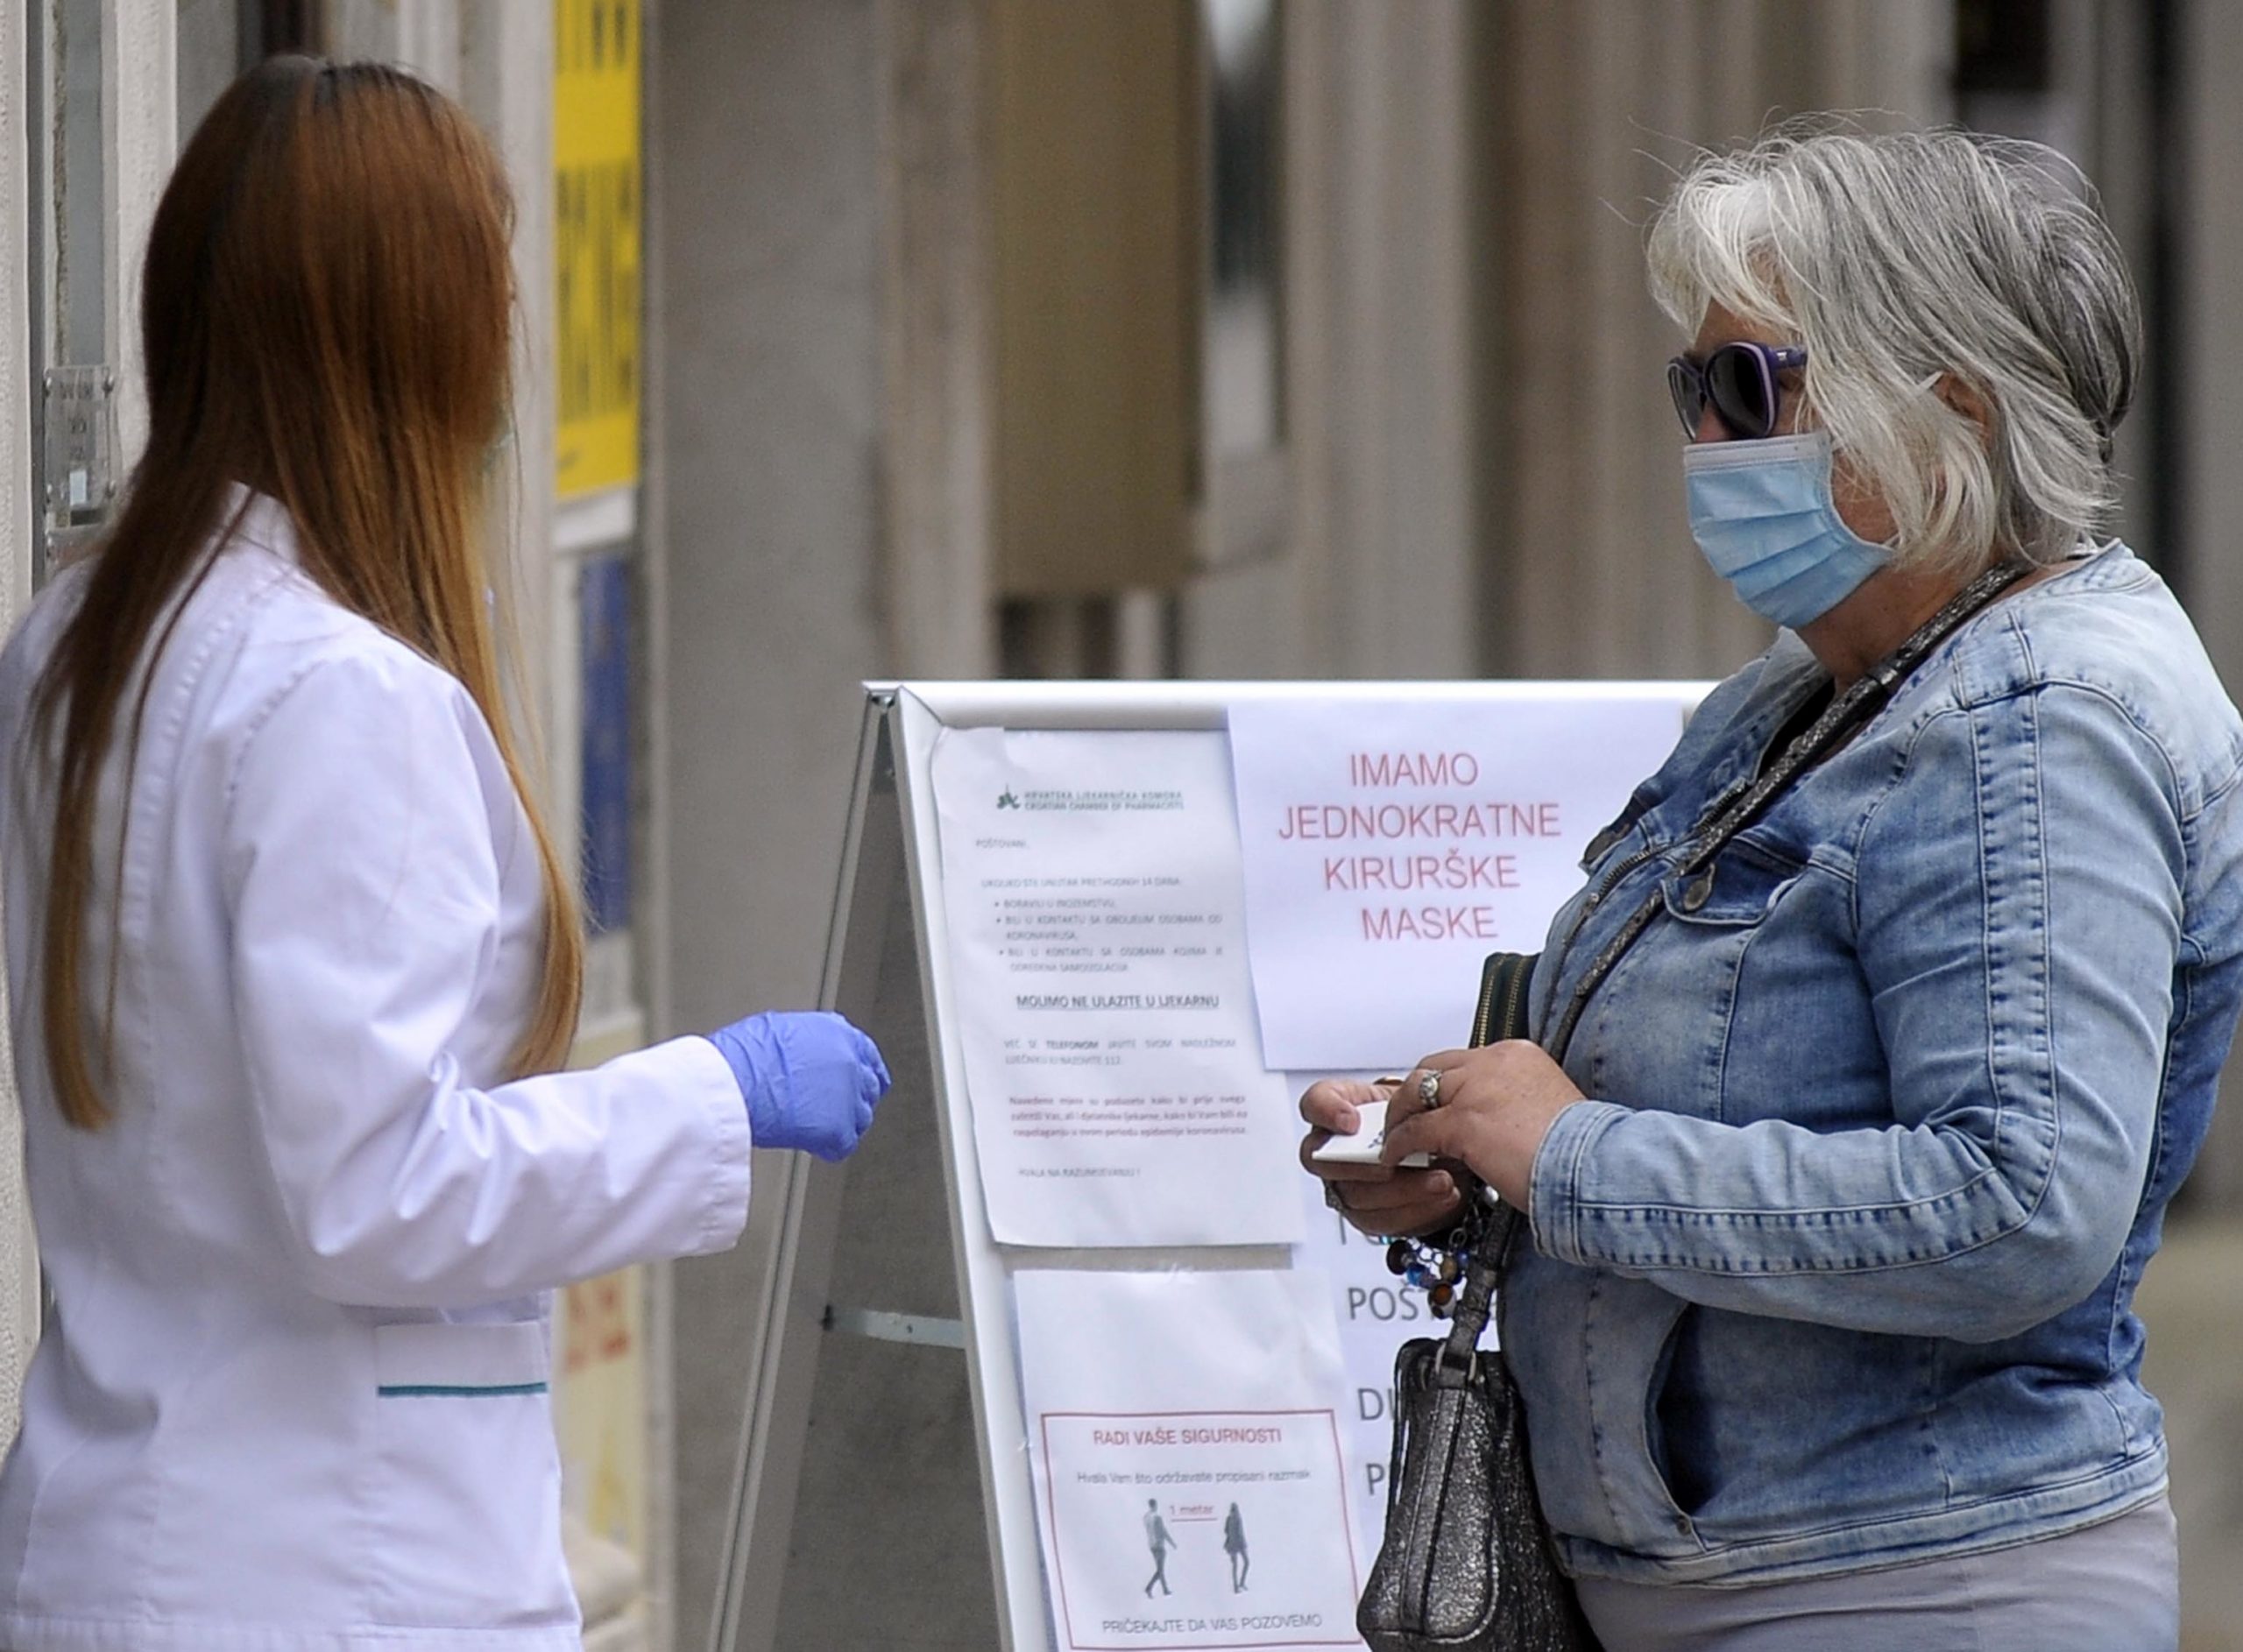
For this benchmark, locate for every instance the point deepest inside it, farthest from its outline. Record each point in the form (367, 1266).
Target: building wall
(1486, 478)
(767, 343)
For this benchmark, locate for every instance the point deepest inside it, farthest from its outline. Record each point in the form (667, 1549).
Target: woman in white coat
(292, 958)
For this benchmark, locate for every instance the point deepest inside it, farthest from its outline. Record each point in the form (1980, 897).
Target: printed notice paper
(1190, 1486)
(1389, 846)
(1097, 948)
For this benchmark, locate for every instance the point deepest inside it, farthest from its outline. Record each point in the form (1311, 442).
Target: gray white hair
(1895, 259)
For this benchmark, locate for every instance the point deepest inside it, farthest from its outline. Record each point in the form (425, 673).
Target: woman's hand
(1378, 1199)
(1496, 1104)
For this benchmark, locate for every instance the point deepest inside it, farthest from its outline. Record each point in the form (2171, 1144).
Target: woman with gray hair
(1869, 1111)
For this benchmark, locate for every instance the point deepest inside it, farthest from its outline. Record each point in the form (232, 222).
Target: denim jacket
(1836, 1268)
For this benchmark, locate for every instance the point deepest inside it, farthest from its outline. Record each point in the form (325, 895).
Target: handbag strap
(1729, 814)
(1484, 1266)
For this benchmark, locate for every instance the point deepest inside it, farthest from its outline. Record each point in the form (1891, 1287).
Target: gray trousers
(2112, 1587)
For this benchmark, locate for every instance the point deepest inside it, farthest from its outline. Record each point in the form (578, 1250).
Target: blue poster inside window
(607, 651)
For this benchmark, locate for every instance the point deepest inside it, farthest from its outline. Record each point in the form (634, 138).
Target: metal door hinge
(78, 469)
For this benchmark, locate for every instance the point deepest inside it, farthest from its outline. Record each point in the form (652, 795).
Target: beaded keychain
(1437, 1268)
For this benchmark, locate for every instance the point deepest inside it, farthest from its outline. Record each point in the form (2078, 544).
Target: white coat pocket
(463, 1434)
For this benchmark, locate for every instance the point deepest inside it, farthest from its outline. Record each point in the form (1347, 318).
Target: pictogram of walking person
(1160, 1542)
(1234, 1546)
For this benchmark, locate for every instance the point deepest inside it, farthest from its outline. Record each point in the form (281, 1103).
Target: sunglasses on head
(1738, 381)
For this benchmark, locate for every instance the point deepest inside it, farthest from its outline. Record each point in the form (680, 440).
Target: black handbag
(1467, 1564)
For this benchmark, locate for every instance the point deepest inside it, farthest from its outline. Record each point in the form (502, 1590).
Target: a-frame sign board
(883, 1495)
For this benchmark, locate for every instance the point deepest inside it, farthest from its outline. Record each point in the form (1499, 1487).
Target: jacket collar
(259, 522)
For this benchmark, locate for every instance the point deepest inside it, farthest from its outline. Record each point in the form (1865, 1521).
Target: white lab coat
(294, 1396)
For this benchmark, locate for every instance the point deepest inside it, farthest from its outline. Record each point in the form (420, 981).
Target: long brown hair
(325, 311)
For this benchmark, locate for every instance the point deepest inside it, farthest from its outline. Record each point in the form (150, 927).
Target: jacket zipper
(1604, 887)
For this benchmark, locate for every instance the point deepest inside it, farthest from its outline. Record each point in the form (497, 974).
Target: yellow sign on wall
(597, 224)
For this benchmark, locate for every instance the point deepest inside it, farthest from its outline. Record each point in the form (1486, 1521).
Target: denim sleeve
(2019, 904)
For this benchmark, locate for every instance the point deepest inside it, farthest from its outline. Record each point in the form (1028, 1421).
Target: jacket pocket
(1590, 1351)
(1663, 1422)
(467, 1505)
(1743, 881)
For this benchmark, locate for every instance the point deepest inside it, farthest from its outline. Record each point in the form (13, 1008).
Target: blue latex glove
(810, 1079)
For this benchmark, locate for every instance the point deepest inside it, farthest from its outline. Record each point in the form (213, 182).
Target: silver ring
(1331, 1200)
(1429, 1091)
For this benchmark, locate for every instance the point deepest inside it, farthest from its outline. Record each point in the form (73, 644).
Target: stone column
(1373, 575)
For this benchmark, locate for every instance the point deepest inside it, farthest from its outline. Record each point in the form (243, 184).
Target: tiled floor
(2192, 1302)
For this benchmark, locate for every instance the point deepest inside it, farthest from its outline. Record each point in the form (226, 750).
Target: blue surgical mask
(1762, 514)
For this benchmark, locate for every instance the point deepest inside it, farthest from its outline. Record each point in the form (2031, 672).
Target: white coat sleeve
(364, 887)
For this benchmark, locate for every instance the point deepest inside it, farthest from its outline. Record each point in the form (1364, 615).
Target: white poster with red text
(1389, 846)
(1192, 1486)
